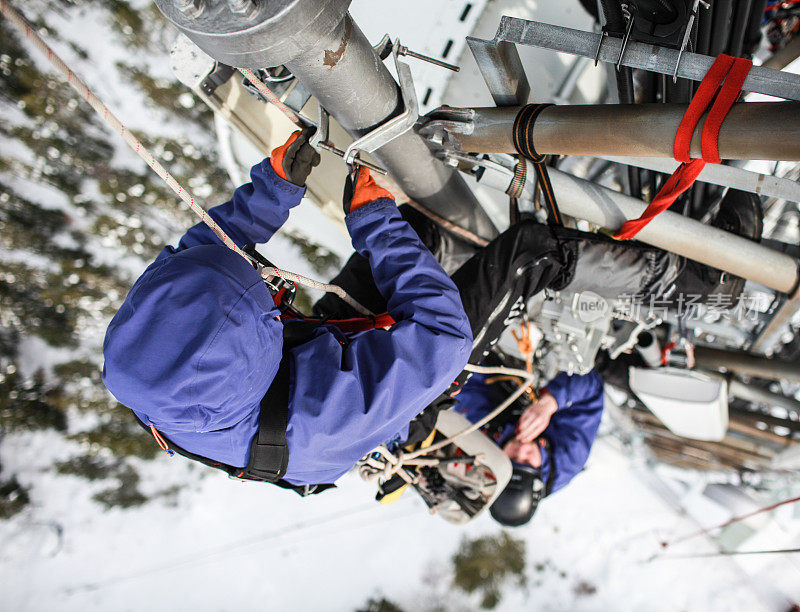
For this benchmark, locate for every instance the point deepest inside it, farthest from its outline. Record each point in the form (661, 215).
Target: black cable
(616, 25)
(741, 25)
(723, 11)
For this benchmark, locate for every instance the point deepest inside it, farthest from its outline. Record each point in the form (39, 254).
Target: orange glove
(294, 159)
(366, 190)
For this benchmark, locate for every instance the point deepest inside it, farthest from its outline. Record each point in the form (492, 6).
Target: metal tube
(765, 185)
(670, 231)
(355, 87)
(746, 363)
(780, 321)
(320, 44)
(758, 395)
(676, 233)
(752, 130)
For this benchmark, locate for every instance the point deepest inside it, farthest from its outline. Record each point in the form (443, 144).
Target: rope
(722, 84)
(522, 134)
(729, 553)
(270, 95)
(25, 28)
(449, 225)
(395, 464)
(729, 522)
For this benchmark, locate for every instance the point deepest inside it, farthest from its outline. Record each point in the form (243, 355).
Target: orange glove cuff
(367, 190)
(276, 158)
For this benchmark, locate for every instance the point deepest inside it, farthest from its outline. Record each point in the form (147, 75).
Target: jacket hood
(196, 343)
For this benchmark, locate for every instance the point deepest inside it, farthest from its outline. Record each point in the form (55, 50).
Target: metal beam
(765, 185)
(770, 335)
(639, 55)
(759, 395)
(502, 70)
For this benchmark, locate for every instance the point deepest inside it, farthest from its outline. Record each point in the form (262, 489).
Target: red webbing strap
(725, 99)
(727, 75)
(349, 326)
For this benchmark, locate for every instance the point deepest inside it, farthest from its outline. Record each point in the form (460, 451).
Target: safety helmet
(518, 501)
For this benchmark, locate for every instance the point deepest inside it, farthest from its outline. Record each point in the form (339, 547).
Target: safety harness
(269, 453)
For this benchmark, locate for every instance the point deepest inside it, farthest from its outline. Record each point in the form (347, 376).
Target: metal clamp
(687, 32)
(319, 141)
(396, 126)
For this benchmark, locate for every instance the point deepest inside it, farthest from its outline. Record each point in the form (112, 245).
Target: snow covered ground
(219, 545)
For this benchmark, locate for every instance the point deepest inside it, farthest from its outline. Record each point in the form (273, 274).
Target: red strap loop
(725, 99)
(350, 326)
(724, 79)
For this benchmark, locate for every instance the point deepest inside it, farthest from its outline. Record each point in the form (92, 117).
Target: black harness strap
(269, 454)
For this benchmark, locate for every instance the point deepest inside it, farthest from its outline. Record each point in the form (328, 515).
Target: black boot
(739, 213)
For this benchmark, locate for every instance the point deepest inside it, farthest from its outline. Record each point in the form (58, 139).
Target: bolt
(436, 138)
(191, 8)
(243, 8)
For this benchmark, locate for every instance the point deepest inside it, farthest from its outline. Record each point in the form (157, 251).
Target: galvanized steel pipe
(746, 363)
(673, 232)
(670, 231)
(752, 130)
(324, 48)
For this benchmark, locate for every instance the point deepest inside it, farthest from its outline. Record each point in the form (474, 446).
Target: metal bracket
(220, 75)
(396, 126)
(319, 141)
(638, 55)
(320, 136)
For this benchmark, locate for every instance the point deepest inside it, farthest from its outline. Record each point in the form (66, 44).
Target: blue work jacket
(197, 342)
(573, 426)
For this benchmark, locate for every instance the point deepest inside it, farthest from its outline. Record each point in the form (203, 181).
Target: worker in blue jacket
(548, 440)
(197, 349)
(198, 341)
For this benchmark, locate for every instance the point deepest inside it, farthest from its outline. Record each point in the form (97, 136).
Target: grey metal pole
(762, 396)
(752, 130)
(765, 185)
(746, 363)
(673, 232)
(670, 231)
(320, 44)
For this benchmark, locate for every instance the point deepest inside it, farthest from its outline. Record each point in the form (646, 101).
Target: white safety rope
(24, 27)
(395, 463)
(269, 95)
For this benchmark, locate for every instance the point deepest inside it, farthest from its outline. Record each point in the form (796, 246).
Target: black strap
(523, 142)
(269, 454)
(523, 131)
(551, 475)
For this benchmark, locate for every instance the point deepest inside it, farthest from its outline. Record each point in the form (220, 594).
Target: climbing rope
(25, 28)
(269, 95)
(394, 463)
(735, 519)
